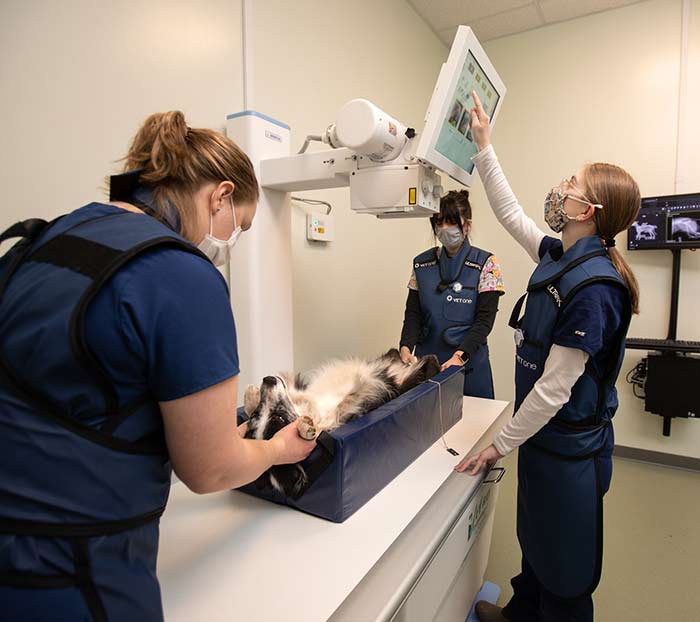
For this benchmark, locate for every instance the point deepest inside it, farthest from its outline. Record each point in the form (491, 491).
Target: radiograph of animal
(683, 228)
(326, 398)
(644, 231)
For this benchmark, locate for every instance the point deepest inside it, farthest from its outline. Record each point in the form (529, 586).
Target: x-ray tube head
(370, 131)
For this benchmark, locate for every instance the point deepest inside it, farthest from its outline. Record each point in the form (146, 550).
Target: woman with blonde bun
(118, 365)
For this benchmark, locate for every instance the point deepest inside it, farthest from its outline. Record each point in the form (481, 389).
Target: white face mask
(218, 250)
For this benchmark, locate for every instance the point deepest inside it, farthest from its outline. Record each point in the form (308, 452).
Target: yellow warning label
(412, 196)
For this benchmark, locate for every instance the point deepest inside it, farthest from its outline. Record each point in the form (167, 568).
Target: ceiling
(490, 19)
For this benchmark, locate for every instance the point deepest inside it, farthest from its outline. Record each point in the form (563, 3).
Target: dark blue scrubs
(161, 327)
(560, 490)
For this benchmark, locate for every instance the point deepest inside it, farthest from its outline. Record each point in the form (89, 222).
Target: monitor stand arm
(673, 316)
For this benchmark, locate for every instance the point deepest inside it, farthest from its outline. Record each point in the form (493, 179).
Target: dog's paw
(251, 399)
(306, 428)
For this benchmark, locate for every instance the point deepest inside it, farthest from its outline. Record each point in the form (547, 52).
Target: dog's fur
(328, 397)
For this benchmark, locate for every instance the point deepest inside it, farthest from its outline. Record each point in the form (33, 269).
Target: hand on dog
(290, 447)
(455, 360)
(485, 458)
(406, 356)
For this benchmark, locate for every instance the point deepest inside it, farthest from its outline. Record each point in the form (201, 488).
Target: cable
(442, 427)
(637, 377)
(307, 142)
(313, 202)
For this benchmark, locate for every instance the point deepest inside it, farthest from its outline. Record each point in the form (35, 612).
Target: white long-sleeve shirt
(564, 366)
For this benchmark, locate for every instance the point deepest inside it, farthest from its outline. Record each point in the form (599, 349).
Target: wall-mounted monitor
(447, 142)
(666, 222)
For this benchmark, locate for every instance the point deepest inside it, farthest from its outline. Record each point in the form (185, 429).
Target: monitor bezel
(665, 245)
(465, 41)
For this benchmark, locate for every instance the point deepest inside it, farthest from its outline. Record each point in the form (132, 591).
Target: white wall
(600, 88)
(78, 77)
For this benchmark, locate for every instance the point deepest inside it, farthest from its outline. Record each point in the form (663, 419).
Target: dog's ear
(251, 399)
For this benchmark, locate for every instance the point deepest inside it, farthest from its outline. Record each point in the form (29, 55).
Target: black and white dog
(326, 398)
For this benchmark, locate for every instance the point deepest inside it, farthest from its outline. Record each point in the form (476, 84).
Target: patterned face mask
(554, 213)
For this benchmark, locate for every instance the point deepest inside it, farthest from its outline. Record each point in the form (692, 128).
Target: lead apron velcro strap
(78, 254)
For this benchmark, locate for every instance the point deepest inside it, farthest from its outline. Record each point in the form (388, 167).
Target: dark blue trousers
(532, 603)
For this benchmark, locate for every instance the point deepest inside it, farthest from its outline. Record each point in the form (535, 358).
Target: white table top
(230, 556)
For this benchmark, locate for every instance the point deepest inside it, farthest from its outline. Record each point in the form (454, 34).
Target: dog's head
(269, 408)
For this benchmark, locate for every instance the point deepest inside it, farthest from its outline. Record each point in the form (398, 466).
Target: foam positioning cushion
(371, 451)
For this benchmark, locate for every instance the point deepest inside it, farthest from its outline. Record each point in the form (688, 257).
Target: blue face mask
(450, 237)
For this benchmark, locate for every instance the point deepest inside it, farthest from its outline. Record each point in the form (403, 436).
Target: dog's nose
(269, 381)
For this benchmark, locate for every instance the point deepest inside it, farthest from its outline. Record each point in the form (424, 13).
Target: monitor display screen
(666, 222)
(455, 140)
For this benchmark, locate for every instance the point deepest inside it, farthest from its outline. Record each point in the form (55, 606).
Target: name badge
(519, 336)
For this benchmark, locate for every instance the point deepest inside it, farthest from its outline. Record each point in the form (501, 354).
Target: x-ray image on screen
(455, 114)
(465, 122)
(685, 228)
(648, 230)
(645, 231)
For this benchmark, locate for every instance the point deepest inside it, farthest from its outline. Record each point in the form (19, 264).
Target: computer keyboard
(663, 345)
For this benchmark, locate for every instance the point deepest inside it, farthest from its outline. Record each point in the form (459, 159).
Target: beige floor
(651, 566)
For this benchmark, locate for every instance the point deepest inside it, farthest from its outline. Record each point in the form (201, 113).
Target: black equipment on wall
(671, 379)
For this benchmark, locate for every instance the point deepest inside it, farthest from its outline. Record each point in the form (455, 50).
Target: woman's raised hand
(480, 128)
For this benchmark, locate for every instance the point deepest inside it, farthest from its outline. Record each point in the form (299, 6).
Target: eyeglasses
(557, 195)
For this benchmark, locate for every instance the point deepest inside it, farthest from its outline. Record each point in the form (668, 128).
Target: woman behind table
(570, 346)
(118, 359)
(453, 297)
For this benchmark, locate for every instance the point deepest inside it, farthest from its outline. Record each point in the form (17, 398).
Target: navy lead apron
(83, 477)
(564, 469)
(448, 289)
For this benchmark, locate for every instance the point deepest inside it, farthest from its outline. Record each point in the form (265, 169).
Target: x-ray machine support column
(261, 261)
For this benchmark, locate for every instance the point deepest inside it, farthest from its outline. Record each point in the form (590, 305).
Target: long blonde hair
(177, 159)
(618, 193)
